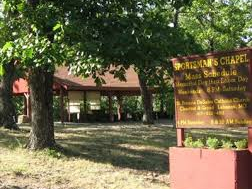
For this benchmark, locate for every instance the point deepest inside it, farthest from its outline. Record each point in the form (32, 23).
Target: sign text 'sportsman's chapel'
(213, 91)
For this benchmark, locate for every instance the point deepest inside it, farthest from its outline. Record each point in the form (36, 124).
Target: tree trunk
(211, 44)
(41, 90)
(162, 103)
(147, 100)
(7, 108)
(176, 18)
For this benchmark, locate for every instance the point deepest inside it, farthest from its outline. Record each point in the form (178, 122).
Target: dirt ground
(94, 156)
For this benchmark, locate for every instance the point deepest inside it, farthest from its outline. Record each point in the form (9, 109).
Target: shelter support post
(27, 105)
(180, 137)
(111, 115)
(85, 105)
(250, 138)
(62, 108)
(119, 107)
(68, 109)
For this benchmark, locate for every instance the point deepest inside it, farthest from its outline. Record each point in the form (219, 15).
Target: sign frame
(213, 56)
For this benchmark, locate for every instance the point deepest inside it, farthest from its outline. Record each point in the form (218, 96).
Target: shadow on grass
(13, 139)
(129, 146)
(141, 148)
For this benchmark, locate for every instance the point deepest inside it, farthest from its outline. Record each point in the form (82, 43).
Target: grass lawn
(95, 156)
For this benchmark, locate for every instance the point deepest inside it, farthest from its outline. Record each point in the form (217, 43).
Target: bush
(19, 104)
(212, 143)
(188, 142)
(198, 144)
(241, 144)
(56, 108)
(133, 105)
(227, 144)
(193, 144)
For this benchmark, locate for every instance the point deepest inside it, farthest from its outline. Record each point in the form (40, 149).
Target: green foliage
(141, 32)
(163, 101)
(37, 35)
(198, 143)
(212, 143)
(34, 51)
(1, 70)
(45, 35)
(188, 142)
(219, 25)
(227, 144)
(133, 105)
(241, 144)
(19, 104)
(54, 153)
(105, 104)
(56, 108)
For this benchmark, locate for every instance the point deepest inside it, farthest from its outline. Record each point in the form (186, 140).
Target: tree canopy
(218, 24)
(90, 36)
(95, 34)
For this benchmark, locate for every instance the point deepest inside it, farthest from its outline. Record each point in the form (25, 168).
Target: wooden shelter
(74, 89)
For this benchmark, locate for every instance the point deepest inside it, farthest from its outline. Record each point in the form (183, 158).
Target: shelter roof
(63, 78)
(72, 82)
